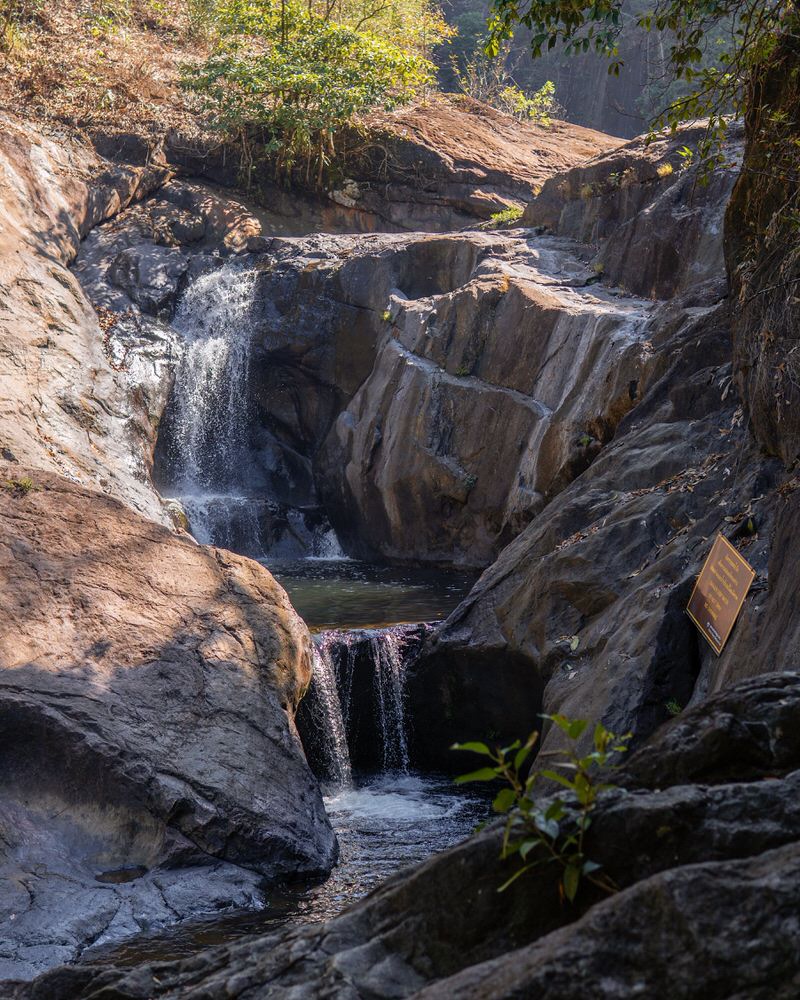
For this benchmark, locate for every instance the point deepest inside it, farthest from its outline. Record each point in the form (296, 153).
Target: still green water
(345, 594)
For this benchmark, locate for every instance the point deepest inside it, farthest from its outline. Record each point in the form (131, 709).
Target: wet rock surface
(150, 765)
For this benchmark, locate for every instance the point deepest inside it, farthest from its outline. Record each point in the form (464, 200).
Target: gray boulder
(150, 275)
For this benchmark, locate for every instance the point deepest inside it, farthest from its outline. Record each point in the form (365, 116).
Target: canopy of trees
(714, 46)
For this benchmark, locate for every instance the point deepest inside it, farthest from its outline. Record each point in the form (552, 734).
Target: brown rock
(62, 405)
(147, 693)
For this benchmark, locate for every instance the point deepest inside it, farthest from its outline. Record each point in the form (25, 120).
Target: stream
(366, 619)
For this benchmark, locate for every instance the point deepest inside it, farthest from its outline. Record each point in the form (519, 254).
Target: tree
(291, 73)
(714, 46)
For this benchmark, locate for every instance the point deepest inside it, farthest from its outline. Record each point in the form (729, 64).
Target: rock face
(381, 367)
(656, 229)
(707, 873)
(63, 407)
(437, 166)
(150, 767)
(496, 379)
(584, 611)
(441, 165)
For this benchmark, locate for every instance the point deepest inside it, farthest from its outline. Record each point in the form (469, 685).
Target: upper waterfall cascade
(211, 466)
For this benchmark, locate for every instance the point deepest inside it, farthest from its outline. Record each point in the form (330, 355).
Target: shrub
(511, 214)
(551, 831)
(292, 76)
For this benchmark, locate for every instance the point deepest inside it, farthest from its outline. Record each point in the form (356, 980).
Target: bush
(291, 76)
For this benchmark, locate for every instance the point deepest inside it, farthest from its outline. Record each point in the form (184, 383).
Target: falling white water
(212, 471)
(331, 724)
(210, 415)
(389, 682)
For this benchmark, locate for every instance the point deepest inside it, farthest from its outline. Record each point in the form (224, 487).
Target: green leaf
(482, 774)
(521, 756)
(528, 845)
(555, 810)
(560, 778)
(474, 747)
(576, 728)
(504, 800)
(571, 881)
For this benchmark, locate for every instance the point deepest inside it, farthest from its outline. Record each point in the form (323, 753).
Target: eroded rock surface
(63, 407)
(655, 227)
(150, 766)
(433, 393)
(584, 612)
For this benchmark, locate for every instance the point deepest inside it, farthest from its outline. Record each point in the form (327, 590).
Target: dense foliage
(292, 73)
(550, 830)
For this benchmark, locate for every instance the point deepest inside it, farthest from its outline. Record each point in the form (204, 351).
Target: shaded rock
(150, 276)
(445, 920)
(746, 731)
(584, 611)
(656, 229)
(146, 701)
(713, 931)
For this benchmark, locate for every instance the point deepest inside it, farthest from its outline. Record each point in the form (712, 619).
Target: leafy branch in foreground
(715, 48)
(552, 831)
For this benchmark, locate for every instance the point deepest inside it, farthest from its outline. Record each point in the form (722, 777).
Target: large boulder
(149, 764)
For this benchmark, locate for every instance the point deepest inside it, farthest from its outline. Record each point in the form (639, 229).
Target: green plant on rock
(508, 215)
(289, 75)
(551, 830)
(22, 486)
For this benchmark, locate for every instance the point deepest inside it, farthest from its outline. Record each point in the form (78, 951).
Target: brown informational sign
(719, 593)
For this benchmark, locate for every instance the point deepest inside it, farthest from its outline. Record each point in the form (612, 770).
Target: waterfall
(388, 680)
(211, 456)
(368, 666)
(210, 412)
(329, 723)
(210, 408)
